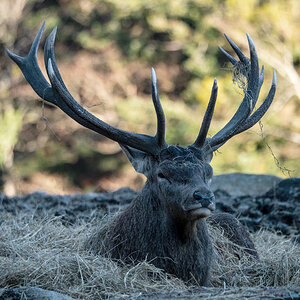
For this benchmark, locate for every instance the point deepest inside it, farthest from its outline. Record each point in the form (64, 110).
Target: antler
(242, 119)
(58, 94)
(207, 117)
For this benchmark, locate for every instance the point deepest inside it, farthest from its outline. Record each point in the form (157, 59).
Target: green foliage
(182, 122)
(180, 39)
(10, 126)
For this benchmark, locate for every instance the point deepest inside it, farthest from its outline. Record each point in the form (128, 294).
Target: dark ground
(278, 209)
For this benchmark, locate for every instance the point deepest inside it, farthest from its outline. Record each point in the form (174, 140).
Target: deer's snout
(205, 199)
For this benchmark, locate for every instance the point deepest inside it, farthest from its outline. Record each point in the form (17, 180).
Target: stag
(166, 222)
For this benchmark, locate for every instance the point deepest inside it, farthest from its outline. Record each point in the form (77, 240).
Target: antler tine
(161, 123)
(49, 53)
(261, 78)
(254, 82)
(207, 117)
(236, 49)
(230, 58)
(259, 113)
(57, 94)
(31, 71)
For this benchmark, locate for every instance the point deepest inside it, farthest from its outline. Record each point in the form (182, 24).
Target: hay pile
(47, 254)
(279, 263)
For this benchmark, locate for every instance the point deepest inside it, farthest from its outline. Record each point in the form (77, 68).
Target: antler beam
(58, 94)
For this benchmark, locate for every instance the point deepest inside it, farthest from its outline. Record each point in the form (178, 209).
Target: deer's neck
(149, 204)
(185, 231)
(145, 230)
(173, 226)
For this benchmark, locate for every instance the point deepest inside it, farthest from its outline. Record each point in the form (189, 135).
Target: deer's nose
(205, 199)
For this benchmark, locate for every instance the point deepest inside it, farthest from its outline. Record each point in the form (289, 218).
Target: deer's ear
(209, 157)
(141, 161)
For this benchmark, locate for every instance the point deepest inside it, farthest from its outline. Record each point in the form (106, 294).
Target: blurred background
(105, 50)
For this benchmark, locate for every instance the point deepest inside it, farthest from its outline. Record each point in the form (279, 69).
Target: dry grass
(279, 263)
(49, 255)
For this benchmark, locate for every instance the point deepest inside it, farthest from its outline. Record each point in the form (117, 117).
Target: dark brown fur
(157, 227)
(234, 231)
(144, 230)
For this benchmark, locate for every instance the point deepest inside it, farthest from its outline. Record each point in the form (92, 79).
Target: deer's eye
(161, 175)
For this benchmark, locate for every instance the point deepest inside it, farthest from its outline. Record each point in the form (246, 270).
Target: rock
(239, 184)
(277, 207)
(285, 190)
(266, 293)
(69, 207)
(32, 293)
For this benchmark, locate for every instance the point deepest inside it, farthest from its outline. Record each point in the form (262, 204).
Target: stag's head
(179, 176)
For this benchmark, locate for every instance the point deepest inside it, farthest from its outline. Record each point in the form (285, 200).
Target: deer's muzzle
(203, 205)
(206, 200)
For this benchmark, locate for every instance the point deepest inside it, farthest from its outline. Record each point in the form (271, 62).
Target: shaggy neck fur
(145, 230)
